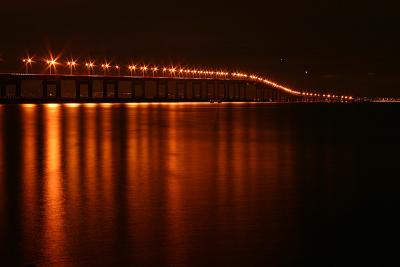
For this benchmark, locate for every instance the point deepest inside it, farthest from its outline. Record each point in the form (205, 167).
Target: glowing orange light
(51, 62)
(72, 105)
(89, 65)
(71, 63)
(27, 60)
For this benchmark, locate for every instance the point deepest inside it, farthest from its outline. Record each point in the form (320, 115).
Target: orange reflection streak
(131, 168)
(106, 160)
(175, 210)
(54, 234)
(221, 161)
(252, 162)
(90, 105)
(240, 180)
(145, 219)
(29, 175)
(136, 179)
(72, 105)
(73, 195)
(89, 150)
(239, 149)
(2, 186)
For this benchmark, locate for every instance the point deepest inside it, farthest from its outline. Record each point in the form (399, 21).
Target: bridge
(153, 85)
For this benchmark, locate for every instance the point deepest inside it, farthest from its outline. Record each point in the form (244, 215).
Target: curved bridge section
(39, 88)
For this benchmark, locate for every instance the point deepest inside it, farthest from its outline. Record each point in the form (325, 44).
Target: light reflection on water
(174, 184)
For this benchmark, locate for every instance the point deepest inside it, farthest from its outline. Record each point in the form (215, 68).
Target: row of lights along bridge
(90, 66)
(133, 69)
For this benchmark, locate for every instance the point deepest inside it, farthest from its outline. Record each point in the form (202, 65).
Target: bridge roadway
(45, 88)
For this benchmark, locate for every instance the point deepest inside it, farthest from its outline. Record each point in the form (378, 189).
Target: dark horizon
(346, 47)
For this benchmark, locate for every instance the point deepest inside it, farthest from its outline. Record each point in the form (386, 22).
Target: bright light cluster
(240, 75)
(27, 60)
(180, 72)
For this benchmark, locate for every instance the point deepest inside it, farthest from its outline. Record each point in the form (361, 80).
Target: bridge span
(56, 88)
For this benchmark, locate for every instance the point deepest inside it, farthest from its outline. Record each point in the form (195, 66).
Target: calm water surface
(198, 184)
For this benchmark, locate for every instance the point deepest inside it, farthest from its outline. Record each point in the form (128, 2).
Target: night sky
(345, 46)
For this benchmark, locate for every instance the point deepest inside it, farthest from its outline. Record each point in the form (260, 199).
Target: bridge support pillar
(243, 95)
(262, 95)
(44, 89)
(116, 89)
(194, 85)
(256, 91)
(157, 89)
(212, 93)
(104, 88)
(143, 85)
(78, 90)
(207, 91)
(193, 90)
(133, 91)
(236, 90)
(202, 89)
(176, 90)
(214, 89)
(226, 90)
(2, 90)
(185, 89)
(58, 89)
(18, 88)
(90, 88)
(165, 96)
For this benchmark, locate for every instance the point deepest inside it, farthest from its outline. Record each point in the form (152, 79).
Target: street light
(172, 71)
(89, 66)
(132, 68)
(105, 67)
(28, 62)
(71, 64)
(118, 69)
(52, 64)
(154, 70)
(143, 68)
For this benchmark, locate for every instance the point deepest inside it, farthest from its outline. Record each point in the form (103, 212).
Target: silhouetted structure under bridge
(42, 88)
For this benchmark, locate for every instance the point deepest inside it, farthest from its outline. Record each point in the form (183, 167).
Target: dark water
(199, 185)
